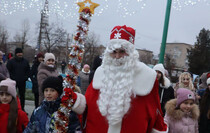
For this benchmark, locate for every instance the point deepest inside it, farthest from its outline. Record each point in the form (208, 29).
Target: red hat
(123, 32)
(40, 55)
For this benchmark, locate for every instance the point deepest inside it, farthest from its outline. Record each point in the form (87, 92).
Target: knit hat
(86, 66)
(18, 50)
(159, 67)
(8, 86)
(55, 83)
(184, 94)
(48, 56)
(123, 32)
(40, 55)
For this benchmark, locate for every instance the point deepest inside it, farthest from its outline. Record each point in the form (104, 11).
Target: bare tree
(92, 48)
(146, 58)
(22, 36)
(169, 64)
(56, 36)
(3, 37)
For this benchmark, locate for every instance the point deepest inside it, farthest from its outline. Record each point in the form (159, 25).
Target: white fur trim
(120, 43)
(115, 128)
(85, 72)
(80, 104)
(143, 83)
(156, 131)
(208, 81)
(159, 67)
(166, 82)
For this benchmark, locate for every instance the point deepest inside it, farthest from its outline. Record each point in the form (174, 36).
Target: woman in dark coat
(204, 124)
(166, 92)
(33, 76)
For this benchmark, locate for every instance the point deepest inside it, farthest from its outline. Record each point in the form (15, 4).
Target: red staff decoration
(61, 117)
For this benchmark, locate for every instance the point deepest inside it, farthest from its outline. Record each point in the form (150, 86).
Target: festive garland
(60, 119)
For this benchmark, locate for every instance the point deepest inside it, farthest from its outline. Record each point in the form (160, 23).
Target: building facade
(178, 52)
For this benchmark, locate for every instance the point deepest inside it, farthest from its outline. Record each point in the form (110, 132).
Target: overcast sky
(184, 25)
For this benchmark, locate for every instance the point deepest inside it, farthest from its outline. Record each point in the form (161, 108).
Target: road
(29, 107)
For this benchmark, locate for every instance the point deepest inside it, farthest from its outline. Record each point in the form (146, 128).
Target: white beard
(115, 95)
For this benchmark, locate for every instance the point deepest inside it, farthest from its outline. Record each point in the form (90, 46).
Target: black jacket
(165, 94)
(18, 69)
(33, 76)
(204, 122)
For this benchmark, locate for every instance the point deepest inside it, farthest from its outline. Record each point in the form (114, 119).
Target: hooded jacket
(180, 122)
(166, 93)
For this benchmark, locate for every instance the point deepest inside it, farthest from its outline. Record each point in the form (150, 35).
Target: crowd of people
(119, 94)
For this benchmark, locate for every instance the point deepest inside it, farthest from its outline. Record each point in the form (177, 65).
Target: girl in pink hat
(182, 113)
(12, 118)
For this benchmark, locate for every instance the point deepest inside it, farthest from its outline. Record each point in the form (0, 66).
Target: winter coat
(22, 119)
(63, 65)
(3, 72)
(204, 122)
(166, 93)
(44, 71)
(42, 116)
(84, 80)
(203, 79)
(180, 122)
(19, 69)
(144, 115)
(33, 76)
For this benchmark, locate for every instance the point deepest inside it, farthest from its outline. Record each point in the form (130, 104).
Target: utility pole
(42, 39)
(165, 32)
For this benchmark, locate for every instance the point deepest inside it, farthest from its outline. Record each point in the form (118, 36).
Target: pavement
(29, 107)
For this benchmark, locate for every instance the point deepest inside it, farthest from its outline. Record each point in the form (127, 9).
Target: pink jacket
(180, 122)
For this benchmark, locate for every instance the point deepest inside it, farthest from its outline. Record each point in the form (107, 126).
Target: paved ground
(29, 107)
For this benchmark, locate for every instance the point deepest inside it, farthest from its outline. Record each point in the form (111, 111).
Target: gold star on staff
(87, 4)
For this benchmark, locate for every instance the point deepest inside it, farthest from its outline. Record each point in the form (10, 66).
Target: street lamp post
(165, 32)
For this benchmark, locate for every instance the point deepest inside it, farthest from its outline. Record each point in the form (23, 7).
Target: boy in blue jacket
(42, 116)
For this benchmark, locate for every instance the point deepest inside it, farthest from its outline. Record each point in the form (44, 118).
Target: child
(42, 116)
(12, 118)
(204, 125)
(181, 113)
